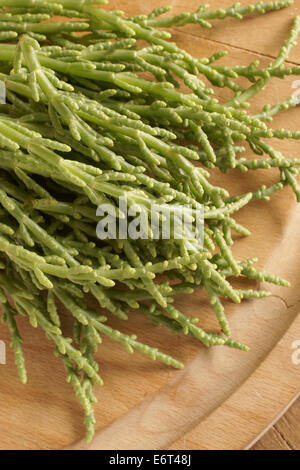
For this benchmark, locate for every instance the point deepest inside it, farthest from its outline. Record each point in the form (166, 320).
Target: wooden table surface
(285, 434)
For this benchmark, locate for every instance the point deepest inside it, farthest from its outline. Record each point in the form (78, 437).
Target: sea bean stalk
(94, 117)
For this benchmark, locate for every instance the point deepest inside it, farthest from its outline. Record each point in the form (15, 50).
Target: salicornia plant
(92, 116)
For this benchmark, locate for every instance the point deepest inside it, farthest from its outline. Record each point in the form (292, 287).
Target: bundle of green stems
(93, 114)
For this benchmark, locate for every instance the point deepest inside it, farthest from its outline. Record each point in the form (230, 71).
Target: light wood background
(285, 434)
(223, 399)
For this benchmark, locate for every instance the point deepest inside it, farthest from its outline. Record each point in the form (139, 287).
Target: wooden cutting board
(223, 399)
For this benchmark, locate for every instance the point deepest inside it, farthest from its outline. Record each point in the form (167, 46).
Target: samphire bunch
(93, 115)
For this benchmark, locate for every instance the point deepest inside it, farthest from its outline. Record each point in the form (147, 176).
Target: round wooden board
(223, 399)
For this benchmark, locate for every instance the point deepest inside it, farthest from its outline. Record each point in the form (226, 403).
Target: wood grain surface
(223, 399)
(285, 434)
